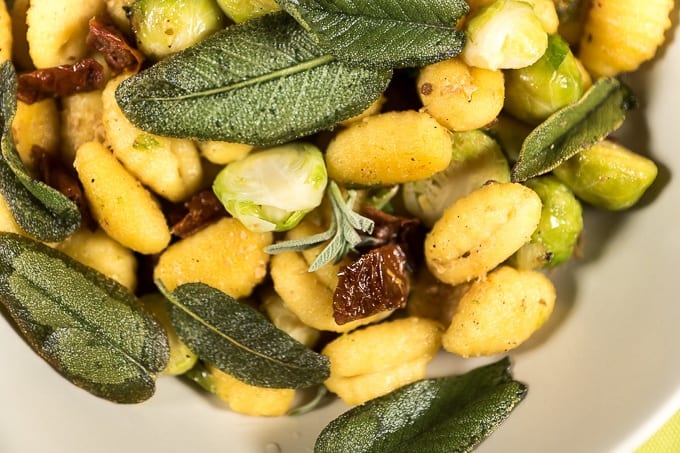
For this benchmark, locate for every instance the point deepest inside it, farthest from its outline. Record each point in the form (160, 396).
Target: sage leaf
(40, 210)
(341, 232)
(262, 82)
(600, 111)
(87, 326)
(447, 415)
(383, 33)
(238, 339)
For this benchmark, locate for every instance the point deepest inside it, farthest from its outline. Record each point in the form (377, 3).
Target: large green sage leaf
(239, 340)
(87, 326)
(450, 414)
(40, 210)
(600, 111)
(383, 33)
(262, 82)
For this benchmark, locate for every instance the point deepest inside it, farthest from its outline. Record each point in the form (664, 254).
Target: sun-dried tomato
(57, 175)
(60, 81)
(375, 282)
(202, 209)
(105, 38)
(408, 233)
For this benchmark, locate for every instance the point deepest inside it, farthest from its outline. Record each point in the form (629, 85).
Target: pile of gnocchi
(444, 160)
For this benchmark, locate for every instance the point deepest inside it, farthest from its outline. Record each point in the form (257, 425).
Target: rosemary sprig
(342, 231)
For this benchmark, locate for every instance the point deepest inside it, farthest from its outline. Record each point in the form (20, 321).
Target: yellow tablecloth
(666, 440)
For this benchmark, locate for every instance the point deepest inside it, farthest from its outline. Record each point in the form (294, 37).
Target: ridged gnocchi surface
(620, 35)
(481, 230)
(119, 203)
(374, 360)
(170, 167)
(57, 30)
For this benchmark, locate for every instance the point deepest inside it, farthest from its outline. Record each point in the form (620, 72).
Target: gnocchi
(499, 313)
(618, 36)
(119, 203)
(372, 361)
(481, 230)
(389, 148)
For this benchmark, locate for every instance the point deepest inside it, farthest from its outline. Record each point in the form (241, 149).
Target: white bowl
(603, 374)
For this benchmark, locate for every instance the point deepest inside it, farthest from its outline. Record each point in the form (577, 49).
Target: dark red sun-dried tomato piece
(406, 232)
(57, 175)
(60, 81)
(105, 38)
(374, 283)
(202, 209)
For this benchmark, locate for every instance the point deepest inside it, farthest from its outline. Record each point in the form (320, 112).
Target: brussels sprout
(476, 159)
(537, 91)
(163, 27)
(243, 10)
(181, 359)
(558, 231)
(510, 134)
(273, 189)
(507, 34)
(608, 175)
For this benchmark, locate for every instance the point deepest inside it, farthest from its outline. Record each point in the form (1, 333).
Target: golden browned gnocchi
(223, 152)
(481, 230)
(620, 35)
(234, 267)
(459, 96)
(97, 250)
(389, 148)
(57, 30)
(36, 124)
(170, 167)
(6, 38)
(7, 222)
(499, 313)
(283, 318)
(81, 122)
(118, 202)
(377, 359)
(249, 399)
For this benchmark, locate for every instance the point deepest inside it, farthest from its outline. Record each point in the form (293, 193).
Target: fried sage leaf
(87, 326)
(383, 33)
(263, 82)
(574, 128)
(450, 414)
(238, 339)
(40, 210)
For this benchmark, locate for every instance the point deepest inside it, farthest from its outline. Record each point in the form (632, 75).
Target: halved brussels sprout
(534, 93)
(163, 27)
(608, 175)
(559, 229)
(506, 34)
(273, 189)
(476, 159)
